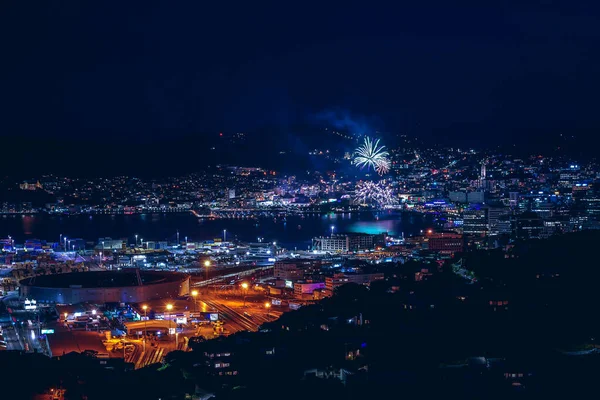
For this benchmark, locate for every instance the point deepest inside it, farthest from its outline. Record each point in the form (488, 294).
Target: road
(12, 338)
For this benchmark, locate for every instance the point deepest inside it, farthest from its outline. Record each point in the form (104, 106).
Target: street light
(169, 308)
(245, 287)
(194, 294)
(136, 240)
(268, 306)
(332, 228)
(206, 265)
(224, 235)
(145, 308)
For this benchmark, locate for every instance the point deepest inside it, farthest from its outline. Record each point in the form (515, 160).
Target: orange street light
(194, 293)
(145, 308)
(206, 265)
(169, 308)
(245, 287)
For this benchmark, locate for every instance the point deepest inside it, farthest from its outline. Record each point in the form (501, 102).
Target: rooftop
(96, 279)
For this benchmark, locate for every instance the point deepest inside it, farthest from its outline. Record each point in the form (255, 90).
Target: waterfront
(289, 232)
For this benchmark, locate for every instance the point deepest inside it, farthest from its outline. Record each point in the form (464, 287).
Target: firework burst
(372, 155)
(377, 193)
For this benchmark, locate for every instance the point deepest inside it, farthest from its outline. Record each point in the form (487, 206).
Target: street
(11, 337)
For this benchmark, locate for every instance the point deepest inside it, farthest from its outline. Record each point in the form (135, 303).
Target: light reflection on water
(293, 231)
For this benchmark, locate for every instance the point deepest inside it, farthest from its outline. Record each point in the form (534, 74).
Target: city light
(444, 271)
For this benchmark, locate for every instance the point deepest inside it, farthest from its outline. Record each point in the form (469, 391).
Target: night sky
(79, 81)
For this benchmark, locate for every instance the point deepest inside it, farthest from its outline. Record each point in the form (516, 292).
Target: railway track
(233, 317)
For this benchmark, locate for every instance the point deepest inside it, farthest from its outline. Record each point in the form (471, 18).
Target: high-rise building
(476, 197)
(494, 214)
(475, 221)
(349, 242)
(458, 197)
(482, 175)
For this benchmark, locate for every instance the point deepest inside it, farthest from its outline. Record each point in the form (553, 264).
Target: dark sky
(93, 74)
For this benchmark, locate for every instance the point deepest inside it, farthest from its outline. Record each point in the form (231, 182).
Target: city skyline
(266, 199)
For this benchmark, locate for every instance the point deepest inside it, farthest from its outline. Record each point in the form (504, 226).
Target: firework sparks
(372, 155)
(378, 193)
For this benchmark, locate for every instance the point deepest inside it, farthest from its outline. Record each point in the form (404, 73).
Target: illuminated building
(295, 269)
(475, 221)
(338, 280)
(445, 242)
(349, 242)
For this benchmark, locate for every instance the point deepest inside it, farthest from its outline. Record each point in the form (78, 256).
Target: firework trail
(372, 155)
(371, 192)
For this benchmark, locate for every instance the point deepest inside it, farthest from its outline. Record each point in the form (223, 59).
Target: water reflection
(27, 224)
(296, 231)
